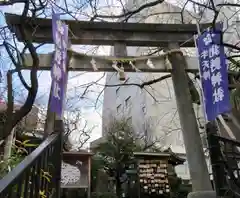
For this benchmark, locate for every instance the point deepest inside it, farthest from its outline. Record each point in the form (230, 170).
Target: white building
(155, 106)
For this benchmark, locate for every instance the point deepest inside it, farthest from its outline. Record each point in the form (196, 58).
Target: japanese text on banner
(213, 70)
(58, 72)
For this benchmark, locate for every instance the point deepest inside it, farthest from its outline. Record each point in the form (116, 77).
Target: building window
(117, 91)
(144, 110)
(128, 101)
(119, 108)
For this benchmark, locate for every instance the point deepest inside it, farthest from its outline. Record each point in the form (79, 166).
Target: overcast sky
(91, 114)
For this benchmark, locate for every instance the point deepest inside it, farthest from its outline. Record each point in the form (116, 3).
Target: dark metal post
(215, 156)
(58, 128)
(49, 122)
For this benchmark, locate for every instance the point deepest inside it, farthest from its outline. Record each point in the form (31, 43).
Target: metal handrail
(39, 174)
(225, 156)
(27, 162)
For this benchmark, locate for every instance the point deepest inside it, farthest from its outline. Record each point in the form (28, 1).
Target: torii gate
(169, 36)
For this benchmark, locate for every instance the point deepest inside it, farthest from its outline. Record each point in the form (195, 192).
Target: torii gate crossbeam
(102, 33)
(81, 62)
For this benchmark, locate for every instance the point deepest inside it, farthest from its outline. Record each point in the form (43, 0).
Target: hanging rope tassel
(150, 64)
(122, 76)
(94, 66)
(119, 70)
(134, 67)
(114, 66)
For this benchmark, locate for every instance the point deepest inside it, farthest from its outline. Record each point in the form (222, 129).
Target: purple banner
(213, 70)
(58, 72)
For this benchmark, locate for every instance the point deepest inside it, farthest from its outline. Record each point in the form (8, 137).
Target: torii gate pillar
(201, 184)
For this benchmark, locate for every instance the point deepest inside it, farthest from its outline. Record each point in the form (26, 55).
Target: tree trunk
(8, 146)
(8, 122)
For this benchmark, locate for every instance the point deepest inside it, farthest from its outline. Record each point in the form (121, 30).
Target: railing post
(218, 171)
(58, 128)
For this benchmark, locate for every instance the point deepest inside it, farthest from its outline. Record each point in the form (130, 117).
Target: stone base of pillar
(202, 194)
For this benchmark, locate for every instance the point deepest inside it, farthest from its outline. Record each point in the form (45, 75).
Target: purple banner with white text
(58, 72)
(213, 70)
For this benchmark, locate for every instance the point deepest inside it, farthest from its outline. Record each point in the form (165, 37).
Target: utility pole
(195, 156)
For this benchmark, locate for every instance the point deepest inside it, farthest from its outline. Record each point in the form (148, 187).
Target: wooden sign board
(153, 177)
(153, 174)
(76, 170)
